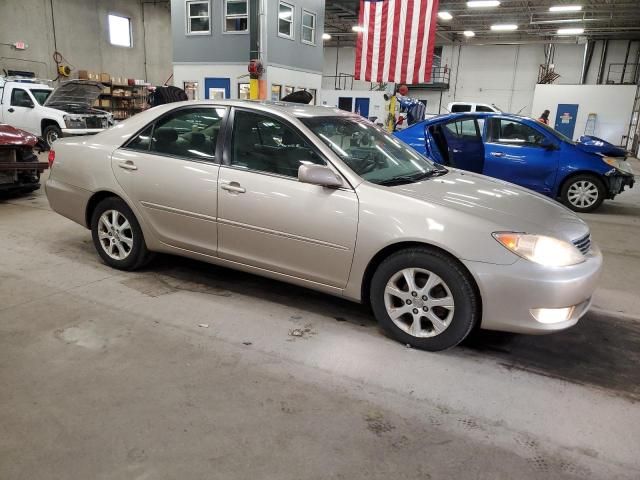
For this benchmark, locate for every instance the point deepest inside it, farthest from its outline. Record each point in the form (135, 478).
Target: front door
(170, 173)
(21, 112)
(514, 152)
(566, 119)
(268, 219)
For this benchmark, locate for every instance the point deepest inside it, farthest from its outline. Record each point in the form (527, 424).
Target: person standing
(544, 118)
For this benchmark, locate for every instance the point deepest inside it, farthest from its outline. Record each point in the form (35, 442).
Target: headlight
(619, 164)
(540, 249)
(74, 122)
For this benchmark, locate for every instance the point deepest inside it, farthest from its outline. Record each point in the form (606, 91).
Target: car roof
(454, 116)
(294, 109)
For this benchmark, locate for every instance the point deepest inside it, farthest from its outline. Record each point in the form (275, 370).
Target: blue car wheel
(583, 193)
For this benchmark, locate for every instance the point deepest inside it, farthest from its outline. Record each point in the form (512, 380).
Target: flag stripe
(397, 42)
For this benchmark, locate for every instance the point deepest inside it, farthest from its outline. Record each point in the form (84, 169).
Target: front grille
(95, 122)
(583, 244)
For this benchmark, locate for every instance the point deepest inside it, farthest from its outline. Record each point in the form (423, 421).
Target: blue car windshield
(556, 134)
(370, 151)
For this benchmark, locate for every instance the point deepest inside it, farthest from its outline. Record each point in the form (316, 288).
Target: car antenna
(518, 113)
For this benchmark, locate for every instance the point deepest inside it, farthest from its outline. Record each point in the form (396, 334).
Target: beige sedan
(326, 200)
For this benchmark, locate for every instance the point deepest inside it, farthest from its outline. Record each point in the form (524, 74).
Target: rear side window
(482, 108)
(190, 133)
(510, 132)
(463, 128)
(460, 108)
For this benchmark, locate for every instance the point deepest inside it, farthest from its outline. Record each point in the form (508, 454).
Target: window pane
(236, 8)
(199, 9)
(481, 108)
(142, 140)
(20, 98)
(284, 27)
(119, 31)
(243, 91)
(510, 132)
(308, 20)
(275, 92)
(460, 108)
(236, 24)
(266, 145)
(199, 24)
(191, 133)
(307, 34)
(285, 12)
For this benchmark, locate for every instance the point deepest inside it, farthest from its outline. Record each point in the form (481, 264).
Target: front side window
(236, 17)
(285, 20)
(20, 98)
(308, 27)
(263, 144)
(198, 17)
(370, 151)
(189, 133)
(511, 132)
(120, 31)
(41, 95)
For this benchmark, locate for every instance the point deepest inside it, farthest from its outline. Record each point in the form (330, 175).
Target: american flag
(397, 42)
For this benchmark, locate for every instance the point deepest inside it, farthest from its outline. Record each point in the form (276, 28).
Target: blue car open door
(460, 144)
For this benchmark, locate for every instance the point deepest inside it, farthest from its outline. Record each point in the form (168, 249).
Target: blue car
(523, 151)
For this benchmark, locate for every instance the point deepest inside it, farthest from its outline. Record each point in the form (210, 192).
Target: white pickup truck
(49, 113)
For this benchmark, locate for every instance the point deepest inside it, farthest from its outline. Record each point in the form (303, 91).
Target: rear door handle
(128, 165)
(11, 110)
(497, 154)
(233, 187)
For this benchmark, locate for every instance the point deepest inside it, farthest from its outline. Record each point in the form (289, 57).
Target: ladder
(590, 127)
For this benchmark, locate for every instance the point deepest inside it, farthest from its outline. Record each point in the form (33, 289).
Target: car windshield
(41, 95)
(556, 133)
(370, 151)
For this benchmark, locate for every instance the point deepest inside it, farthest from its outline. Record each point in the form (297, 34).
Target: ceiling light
(570, 31)
(483, 3)
(357, 28)
(566, 8)
(469, 33)
(504, 27)
(326, 36)
(444, 16)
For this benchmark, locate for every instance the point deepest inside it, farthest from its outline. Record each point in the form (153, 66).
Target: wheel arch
(45, 122)
(93, 202)
(576, 173)
(389, 250)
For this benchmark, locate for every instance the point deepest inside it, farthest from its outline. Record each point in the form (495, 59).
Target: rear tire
(117, 235)
(583, 193)
(424, 298)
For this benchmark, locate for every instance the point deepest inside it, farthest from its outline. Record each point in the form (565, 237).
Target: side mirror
(547, 144)
(319, 175)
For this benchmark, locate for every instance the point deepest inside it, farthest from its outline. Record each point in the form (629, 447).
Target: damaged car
(19, 166)
(528, 153)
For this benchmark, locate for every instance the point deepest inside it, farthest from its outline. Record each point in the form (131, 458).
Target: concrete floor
(185, 370)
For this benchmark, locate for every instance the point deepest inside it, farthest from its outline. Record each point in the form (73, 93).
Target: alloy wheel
(115, 234)
(52, 136)
(582, 194)
(419, 302)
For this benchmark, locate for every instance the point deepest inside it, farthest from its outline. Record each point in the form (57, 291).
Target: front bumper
(510, 292)
(70, 132)
(617, 183)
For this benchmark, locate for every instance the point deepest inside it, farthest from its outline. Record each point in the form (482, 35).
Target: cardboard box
(105, 102)
(106, 91)
(83, 74)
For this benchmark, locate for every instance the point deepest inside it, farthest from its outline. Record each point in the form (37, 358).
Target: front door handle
(497, 154)
(11, 110)
(233, 187)
(128, 165)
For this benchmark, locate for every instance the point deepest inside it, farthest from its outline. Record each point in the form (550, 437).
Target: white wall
(612, 104)
(293, 78)
(502, 74)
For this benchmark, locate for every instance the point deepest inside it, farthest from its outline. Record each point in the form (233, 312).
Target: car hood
(75, 92)
(13, 136)
(589, 143)
(507, 206)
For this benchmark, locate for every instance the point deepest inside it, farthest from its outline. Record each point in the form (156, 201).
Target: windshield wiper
(401, 179)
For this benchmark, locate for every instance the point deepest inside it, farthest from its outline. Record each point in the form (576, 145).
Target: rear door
(170, 172)
(463, 142)
(514, 152)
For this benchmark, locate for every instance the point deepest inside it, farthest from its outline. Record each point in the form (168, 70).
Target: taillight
(52, 157)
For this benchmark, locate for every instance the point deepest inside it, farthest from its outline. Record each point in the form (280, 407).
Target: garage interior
(183, 369)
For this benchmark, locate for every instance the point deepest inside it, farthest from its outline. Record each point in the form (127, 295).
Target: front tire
(424, 298)
(583, 193)
(117, 235)
(51, 133)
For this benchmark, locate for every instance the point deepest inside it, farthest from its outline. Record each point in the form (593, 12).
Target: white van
(465, 107)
